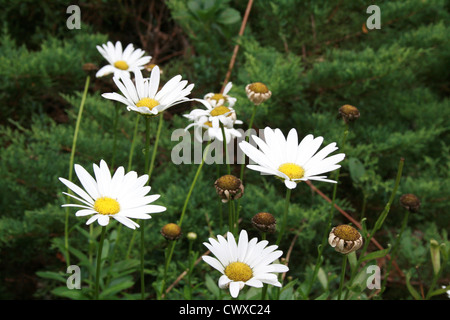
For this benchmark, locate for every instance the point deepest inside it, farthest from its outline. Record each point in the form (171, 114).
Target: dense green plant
(314, 57)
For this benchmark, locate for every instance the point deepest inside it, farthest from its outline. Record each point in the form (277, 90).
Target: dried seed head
(264, 222)
(349, 113)
(90, 68)
(229, 187)
(410, 202)
(171, 231)
(257, 92)
(345, 239)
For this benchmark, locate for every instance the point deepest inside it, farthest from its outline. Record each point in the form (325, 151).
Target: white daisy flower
(218, 99)
(289, 160)
(121, 62)
(121, 196)
(221, 114)
(245, 263)
(143, 95)
(205, 131)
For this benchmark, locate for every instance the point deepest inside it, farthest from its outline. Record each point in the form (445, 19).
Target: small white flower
(143, 95)
(244, 263)
(218, 99)
(121, 62)
(289, 160)
(205, 130)
(121, 196)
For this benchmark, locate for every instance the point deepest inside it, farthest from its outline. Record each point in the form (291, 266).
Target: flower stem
(247, 138)
(286, 209)
(116, 121)
(99, 262)
(330, 220)
(72, 156)
(168, 257)
(227, 161)
(341, 284)
(394, 252)
(378, 223)
(186, 201)
(155, 147)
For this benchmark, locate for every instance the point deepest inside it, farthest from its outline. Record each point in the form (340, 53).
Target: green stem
(155, 147)
(133, 143)
(116, 121)
(329, 222)
(99, 262)
(341, 284)
(394, 252)
(72, 156)
(286, 209)
(378, 223)
(247, 138)
(168, 256)
(130, 161)
(197, 174)
(227, 162)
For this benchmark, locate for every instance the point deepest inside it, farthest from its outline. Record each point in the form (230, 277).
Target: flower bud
(264, 222)
(171, 231)
(257, 92)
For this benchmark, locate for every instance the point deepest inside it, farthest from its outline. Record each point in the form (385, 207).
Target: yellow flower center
(218, 96)
(218, 111)
(238, 271)
(208, 123)
(259, 87)
(147, 102)
(122, 65)
(106, 206)
(292, 170)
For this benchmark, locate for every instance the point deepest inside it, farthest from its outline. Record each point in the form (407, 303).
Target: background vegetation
(314, 56)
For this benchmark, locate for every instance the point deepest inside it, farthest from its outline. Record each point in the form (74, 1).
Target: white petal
(213, 262)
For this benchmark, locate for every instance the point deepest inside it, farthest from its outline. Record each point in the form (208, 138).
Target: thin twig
(236, 47)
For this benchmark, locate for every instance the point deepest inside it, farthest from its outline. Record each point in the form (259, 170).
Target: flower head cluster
(217, 120)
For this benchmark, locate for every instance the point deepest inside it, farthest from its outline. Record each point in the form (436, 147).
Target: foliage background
(314, 56)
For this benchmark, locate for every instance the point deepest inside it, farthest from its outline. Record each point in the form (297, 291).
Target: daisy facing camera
(229, 187)
(243, 262)
(345, 239)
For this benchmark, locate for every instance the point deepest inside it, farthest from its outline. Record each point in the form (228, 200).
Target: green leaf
(74, 294)
(52, 275)
(116, 288)
(376, 254)
(212, 286)
(321, 275)
(228, 16)
(411, 289)
(357, 170)
(435, 255)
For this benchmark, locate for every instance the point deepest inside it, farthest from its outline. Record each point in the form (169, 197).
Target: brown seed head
(264, 222)
(257, 92)
(349, 113)
(229, 187)
(410, 202)
(171, 231)
(345, 239)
